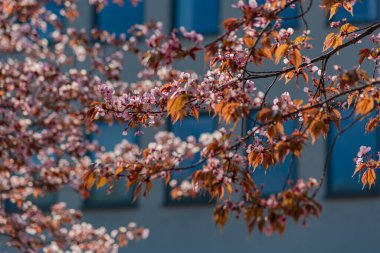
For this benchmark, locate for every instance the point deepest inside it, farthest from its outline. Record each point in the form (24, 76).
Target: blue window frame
(118, 19)
(341, 167)
(364, 11)
(190, 126)
(274, 179)
(287, 13)
(108, 137)
(199, 15)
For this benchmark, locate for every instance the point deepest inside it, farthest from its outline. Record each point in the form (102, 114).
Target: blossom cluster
(55, 87)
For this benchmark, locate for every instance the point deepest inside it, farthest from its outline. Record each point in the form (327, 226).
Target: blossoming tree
(54, 90)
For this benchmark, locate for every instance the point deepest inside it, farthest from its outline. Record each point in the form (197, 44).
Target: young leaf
(334, 9)
(175, 107)
(297, 58)
(369, 176)
(101, 182)
(90, 181)
(119, 170)
(364, 106)
(137, 192)
(348, 28)
(338, 41)
(364, 53)
(329, 41)
(371, 125)
(280, 51)
(347, 5)
(249, 42)
(230, 24)
(359, 168)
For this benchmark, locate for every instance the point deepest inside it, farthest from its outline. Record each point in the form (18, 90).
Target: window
(364, 11)
(274, 179)
(108, 137)
(199, 15)
(341, 167)
(118, 19)
(190, 126)
(287, 13)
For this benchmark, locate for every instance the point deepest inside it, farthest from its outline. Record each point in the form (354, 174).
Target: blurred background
(350, 218)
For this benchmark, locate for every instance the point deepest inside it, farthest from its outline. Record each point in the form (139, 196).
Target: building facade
(350, 218)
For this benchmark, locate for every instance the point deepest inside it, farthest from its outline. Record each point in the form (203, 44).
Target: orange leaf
(177, 103)
(348, 7)
(270, 133)
(289, 76)
(195, 112)
(364, 106)
(297, 58)
(119, 170)
(101, 182)
(90, 181)
(220, 193)
(369, 176)
(329, 41)
(335, 117)
(364, 53)
(348, 28)
(280, 51)
(334, 9)
(371, 125)
(175, 107)
(229, 189)
(230, 23)
(338, 41)
(317, 128)
(249, 42)
(265, 114)
(166, 87)
(301, 39)
(137, 192)
(298, 102)
(282, 149)
(359, 168)
(280, 127)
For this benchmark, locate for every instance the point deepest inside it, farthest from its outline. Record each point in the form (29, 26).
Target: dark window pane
(118, 19)
(199, 15)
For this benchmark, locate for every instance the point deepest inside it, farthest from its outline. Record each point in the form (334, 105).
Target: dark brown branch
(369, 31)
